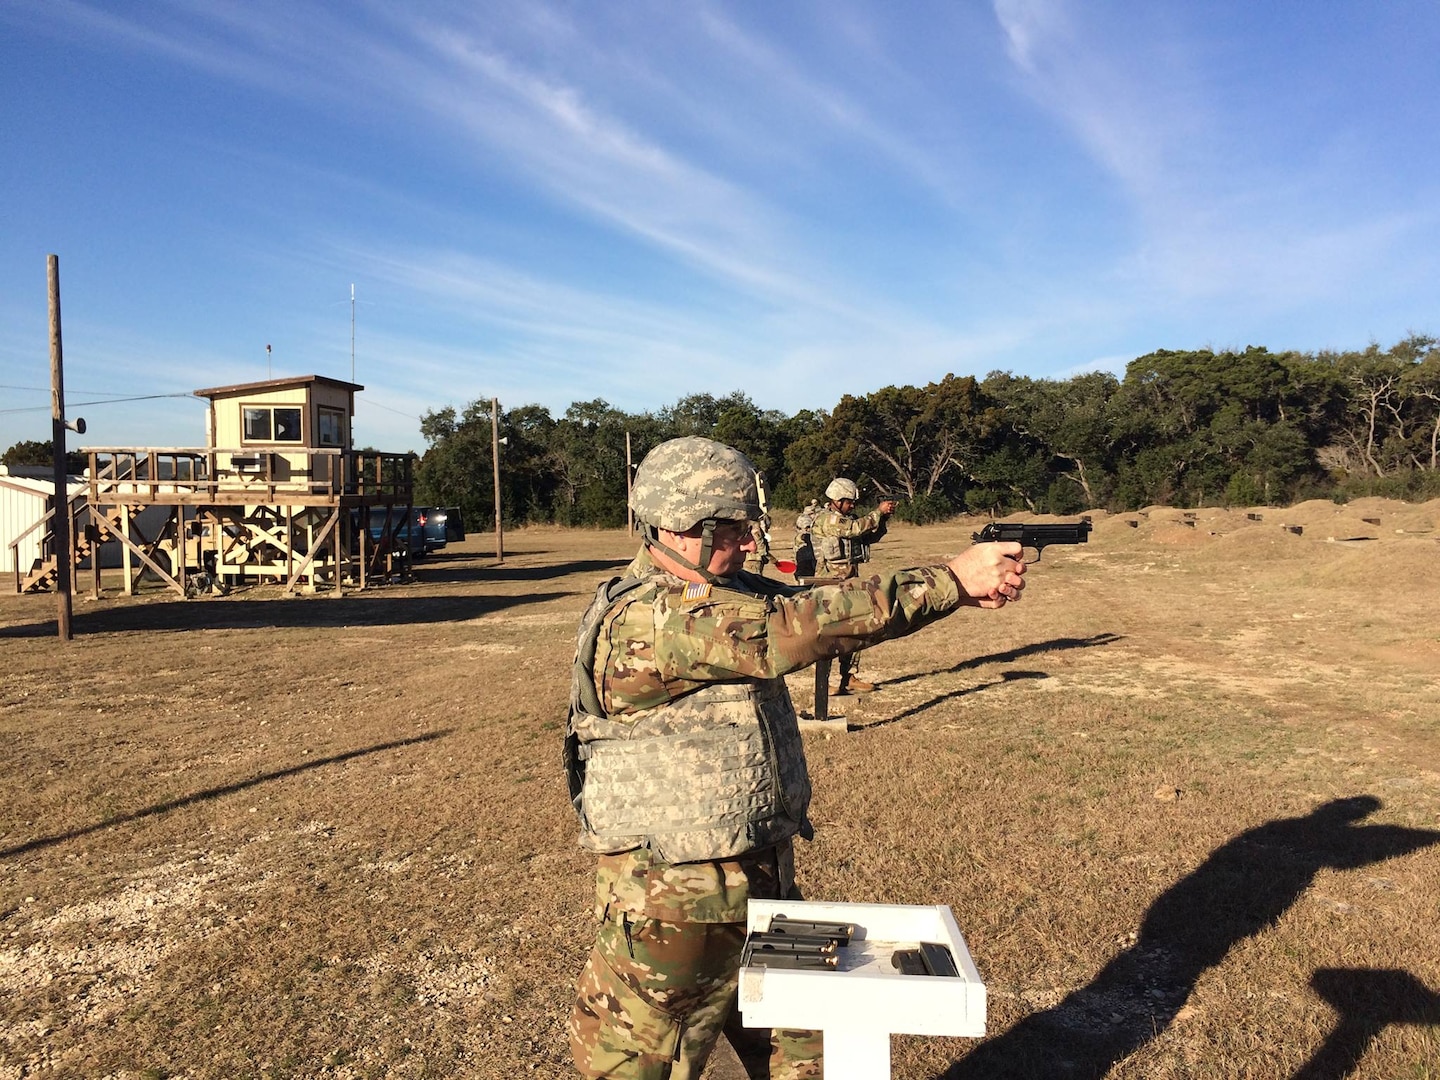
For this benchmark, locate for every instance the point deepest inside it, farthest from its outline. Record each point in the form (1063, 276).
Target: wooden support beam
(314, 550)
(151, 546)
(181, 554)
(96, 538)
(131, 546)
(123, 535)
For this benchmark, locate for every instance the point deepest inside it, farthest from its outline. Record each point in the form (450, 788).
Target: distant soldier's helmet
(684, 482)
(840, 488)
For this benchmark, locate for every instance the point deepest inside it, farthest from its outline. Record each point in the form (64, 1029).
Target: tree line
(1181, 428)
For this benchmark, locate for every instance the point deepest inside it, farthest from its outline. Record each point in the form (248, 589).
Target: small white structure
(27, 494)
(865, 1000)
(24, 500)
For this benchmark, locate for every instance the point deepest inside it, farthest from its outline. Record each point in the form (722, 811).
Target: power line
(145, 397)
(387, 408)
(46, 390)
(100, 401)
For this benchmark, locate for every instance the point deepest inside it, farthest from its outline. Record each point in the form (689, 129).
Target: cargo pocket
(616, 1031)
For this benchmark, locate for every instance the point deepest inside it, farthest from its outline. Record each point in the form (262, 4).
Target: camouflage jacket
(755, 562)
(684, 637)
(805, 521)
(843, 540)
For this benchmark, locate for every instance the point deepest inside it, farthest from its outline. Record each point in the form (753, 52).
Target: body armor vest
(804, 521)
(710, 775)
(835, 550)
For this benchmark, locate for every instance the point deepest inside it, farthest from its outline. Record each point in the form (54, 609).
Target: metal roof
(278, 384)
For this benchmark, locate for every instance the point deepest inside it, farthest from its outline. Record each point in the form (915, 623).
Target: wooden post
(362, 538)
(74, 533)
(495, 457)
(822, 690)
(61, 527)
(125, 548)
(94, 542)
(342, 542)
(629, 473)
(181, 545)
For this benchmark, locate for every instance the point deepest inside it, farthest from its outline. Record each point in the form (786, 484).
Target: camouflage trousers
(846, 664)
(655, 997)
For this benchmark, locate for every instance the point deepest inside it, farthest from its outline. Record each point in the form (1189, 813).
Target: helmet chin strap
(651, 536)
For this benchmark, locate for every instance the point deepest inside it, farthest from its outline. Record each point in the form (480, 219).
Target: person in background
(842, 542)
(804, 549)
(757, 560)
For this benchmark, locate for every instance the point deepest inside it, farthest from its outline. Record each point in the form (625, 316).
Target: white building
(24, 499)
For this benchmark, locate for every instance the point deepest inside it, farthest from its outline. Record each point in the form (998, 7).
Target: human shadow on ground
(446, 574)
(217, 792)
(1011, 655)
(1367, 1001)
(444, 555)
(965, 691)
(365, 609)
(1243, 888)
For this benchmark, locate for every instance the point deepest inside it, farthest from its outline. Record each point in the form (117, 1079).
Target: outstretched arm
(833, 523)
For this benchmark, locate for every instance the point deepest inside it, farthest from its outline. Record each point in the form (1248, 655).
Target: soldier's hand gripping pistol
(1033, 534)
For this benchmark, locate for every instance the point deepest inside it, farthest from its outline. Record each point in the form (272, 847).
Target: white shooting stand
(865, 1000)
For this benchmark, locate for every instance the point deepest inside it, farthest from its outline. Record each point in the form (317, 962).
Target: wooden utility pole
(629, 472)
(495, 457)
(60, 523)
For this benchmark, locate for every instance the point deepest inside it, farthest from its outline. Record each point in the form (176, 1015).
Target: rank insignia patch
(697, 590)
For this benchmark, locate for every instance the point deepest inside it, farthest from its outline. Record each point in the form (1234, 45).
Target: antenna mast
(352, 331)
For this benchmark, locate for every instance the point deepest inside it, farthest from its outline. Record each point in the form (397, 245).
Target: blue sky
(632, 200)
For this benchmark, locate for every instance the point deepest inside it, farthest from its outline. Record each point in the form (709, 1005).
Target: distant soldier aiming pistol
(842, 542)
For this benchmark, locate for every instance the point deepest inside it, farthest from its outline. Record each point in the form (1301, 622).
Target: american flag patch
(697, 590)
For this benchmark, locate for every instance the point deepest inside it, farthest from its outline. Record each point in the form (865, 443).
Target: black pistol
(1030, 534)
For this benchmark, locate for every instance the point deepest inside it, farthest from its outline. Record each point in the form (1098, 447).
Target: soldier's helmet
(684, 481)
(840, 488)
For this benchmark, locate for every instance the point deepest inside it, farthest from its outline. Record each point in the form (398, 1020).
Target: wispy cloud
(785, 80)
(1129, 94)
(552, 201)
(554, 134)
(1212, 219)
(595, 162)
(549, 130)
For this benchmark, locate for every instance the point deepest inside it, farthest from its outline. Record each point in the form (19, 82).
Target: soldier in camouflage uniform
(685, 761)
(842, 542)
(804, 549)
(757, 560)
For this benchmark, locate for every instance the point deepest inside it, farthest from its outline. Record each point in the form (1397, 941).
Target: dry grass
(268, 838)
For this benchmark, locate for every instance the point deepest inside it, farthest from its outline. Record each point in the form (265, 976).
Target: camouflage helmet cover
(684, 481)
(840, 488)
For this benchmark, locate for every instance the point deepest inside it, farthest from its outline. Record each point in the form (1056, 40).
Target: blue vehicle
(408, 531)
(454, 523)
(434, 527)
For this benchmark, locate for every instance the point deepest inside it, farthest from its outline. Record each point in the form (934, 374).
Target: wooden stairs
(44, 570)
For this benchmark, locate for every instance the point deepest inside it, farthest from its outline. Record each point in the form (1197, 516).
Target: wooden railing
(47, 538)
(150, 473)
